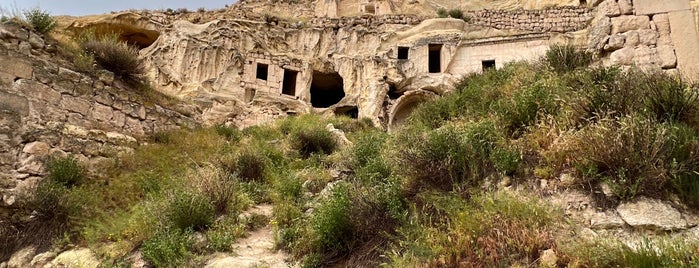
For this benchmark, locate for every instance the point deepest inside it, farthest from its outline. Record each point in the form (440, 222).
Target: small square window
(403, 53)
(488, 64)
(262, 71)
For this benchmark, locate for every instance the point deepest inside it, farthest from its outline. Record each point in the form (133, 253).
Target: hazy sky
(85, 7)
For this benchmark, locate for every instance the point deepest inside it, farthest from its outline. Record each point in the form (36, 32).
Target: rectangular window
(435, 58)
(262, 71)
(369, 9)
(289, 84)
(403, 53)
(488, 64)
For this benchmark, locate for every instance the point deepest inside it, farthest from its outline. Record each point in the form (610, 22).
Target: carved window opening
(403, 53)
(488, 64)
(249, 94)
(435, 58)
(289, 84)
(262, 71)
(369, 8)
(349, 111)
(327, 89)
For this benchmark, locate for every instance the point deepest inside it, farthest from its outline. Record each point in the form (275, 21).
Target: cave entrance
(327, 89)
(289, 84)
(350, 111)
(435, 58)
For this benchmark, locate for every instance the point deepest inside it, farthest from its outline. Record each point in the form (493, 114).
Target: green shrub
(367, 159)
(191, 210)
(251, 166)
(330, 224)
(525, 106)
(113, 55)
(456, 13)
(505, 160)
(223, 233)
(670, 99)
(230, 133)
(442, 13)
(40, 20)
(566, 58)
(628, 154)
(446, 156)
(66, 172)
(218, 186)
(53, 202)
(604, 92)
(168, 248)
(313, 140)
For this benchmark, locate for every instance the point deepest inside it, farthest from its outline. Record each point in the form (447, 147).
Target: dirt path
(255, 250)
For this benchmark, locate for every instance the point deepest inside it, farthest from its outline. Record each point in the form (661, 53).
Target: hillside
(525, 134)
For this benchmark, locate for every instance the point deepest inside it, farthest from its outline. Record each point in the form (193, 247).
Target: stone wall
(366, 21)
(47, 109)
(559, 19)
(649, 34)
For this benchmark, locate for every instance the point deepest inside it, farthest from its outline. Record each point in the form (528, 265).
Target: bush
(505, 160)
(40, 20)
(168, 248)
(220, 188)
(444, 157)
(442, 13)
(670, 99)
(230, 133)
(330, 224)
(606, 92)
(251, 166)
(117, 57)
(566, 58)
(313, 140)
(191, 210)
(628, 154)
(66, 172)
(525, 106)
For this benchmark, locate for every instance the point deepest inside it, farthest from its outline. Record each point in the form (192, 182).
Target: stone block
(632, 39)
(624, 24)
(648, 37)
(609, 8)
(16, 67)
(686, 42)
(102, 113)
(38, 91)
(647, 7)
(75, 104)
(599, 33)
(646, 56)
(615, 42)
(625, 7)
(14, 103)
(36, 148)
(668, 59)
(622, 56)
(67, 74)
(651, 214)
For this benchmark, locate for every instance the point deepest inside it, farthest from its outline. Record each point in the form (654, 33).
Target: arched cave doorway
(405, 105)
(327, 89)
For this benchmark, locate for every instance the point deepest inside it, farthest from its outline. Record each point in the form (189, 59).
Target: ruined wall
(46, 109)
(649, 34)
(559, 19)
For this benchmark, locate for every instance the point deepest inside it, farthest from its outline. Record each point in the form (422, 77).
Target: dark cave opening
(327, 89)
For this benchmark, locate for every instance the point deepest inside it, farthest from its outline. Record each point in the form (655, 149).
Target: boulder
(651, 214)
(76, 258)
(22, 258)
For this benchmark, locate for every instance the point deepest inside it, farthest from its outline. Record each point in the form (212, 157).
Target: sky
(87, 7)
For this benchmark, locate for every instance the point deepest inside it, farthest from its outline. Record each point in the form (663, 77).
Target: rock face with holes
(359, 58)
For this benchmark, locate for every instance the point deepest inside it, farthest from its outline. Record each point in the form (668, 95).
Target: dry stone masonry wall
(47, 109)
(653, 35)
(559, 19)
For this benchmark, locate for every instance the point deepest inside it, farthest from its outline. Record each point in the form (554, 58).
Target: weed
(66, 172)
(191, 210)
(40, 20)
(230, 133)
(251, 166)
(168, 248)
(566, 58)
(113, 55)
